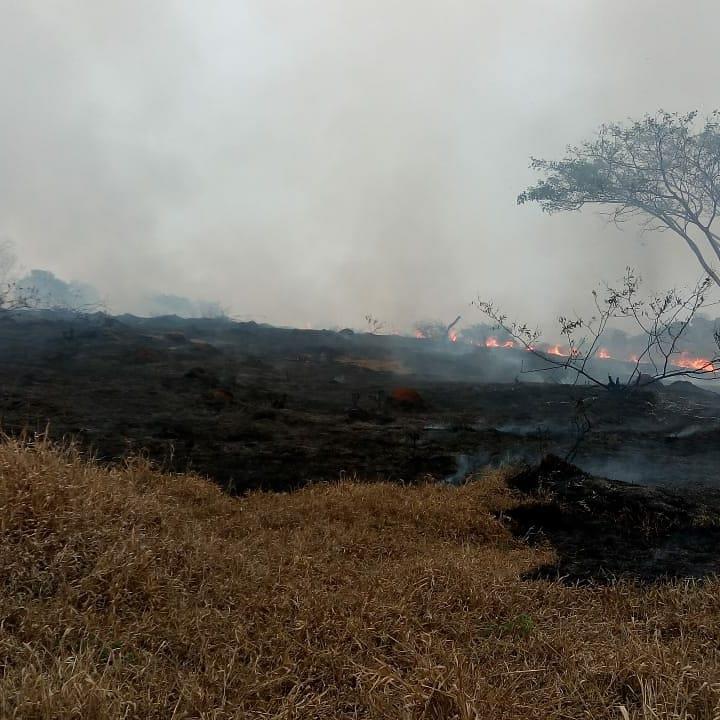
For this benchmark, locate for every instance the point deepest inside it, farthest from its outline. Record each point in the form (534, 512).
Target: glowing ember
(603, 354)
(420, 335)
(453, 335)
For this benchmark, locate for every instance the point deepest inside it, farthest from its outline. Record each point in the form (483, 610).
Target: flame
(493, 342)
(561, 352)
(687, 362)
(684, 361)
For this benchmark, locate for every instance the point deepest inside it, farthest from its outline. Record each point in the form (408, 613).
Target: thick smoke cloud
(45, 290)
(317, 161)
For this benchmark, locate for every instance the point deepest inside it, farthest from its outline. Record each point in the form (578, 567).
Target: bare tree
(437, 330)
(662, 169)
(450, 333)
(375, 325)
(662, 320)
(13, 296)
(49, 292)
(431, 329)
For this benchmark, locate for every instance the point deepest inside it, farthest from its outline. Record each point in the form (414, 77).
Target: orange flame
(684, 361)
(493, 342)
(687, 362)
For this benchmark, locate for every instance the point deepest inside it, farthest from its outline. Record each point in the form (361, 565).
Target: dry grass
(377, 364)
(130, 594)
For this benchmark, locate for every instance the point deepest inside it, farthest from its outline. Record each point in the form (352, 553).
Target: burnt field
(254, 406)
(260, 408)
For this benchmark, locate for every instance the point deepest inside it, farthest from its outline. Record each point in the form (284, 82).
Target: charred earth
(259, 407)
(255, 406)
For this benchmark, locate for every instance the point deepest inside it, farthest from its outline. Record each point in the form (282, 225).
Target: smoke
(45, 290)
(49, 291)
(319, 161)
(183, 307)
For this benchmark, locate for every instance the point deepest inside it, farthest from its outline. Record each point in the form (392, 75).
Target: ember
(406, 398)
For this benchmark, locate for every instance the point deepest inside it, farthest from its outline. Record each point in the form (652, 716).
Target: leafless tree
(449, 329)
(374, 324)
(662, 321)
(437, 330)
(51, 293)
(663, 169)
(431, 329)
(13, 296)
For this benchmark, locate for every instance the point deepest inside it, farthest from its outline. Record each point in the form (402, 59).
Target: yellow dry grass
(127, 593)
(377, 364)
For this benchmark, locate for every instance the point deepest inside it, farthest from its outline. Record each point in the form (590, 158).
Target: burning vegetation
(663, 321)
(684, 359)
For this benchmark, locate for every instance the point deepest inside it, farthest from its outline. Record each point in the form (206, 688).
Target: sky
(309, 162)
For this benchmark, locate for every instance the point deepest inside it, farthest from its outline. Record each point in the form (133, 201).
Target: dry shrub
(126, 593)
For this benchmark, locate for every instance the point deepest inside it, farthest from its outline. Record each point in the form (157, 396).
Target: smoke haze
(314, 162)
